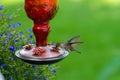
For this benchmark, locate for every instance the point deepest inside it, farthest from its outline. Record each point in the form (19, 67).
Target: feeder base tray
(44, 59)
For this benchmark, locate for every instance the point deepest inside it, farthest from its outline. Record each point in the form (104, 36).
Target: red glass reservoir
(41, 12)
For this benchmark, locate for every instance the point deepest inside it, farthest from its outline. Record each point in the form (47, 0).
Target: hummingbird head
(58, 44)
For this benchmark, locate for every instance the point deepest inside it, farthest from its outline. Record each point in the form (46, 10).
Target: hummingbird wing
(73, 49)
(73, 44)
(74, 39)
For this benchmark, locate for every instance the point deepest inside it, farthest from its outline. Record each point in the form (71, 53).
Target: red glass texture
(41, 11)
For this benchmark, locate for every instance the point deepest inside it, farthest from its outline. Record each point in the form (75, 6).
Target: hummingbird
(70, 44)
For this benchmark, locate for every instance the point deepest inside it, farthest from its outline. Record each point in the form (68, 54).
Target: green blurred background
(98, 24)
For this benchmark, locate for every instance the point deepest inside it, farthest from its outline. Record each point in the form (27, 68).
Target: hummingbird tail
(73, 44)
(76, 50)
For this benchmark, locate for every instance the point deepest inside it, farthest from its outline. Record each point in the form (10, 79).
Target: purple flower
(10, 34)
(21, 33)
(30, 36)
(33, 66)
(18, 24)
(29, 30)
(15, 40)
(4, 43)
(1, 35)
(3, 65)
(1, 6)
(8, 38)
(12, 48)
(13, 26)
(53, 70)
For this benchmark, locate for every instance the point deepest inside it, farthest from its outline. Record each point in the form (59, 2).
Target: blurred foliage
(98, 23)
(12, 39)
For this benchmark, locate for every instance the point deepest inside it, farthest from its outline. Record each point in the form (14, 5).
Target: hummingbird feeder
(41, 12)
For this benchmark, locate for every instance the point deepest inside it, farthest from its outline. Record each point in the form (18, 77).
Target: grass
(98, 25)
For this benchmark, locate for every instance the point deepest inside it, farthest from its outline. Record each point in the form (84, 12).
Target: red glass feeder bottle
(41, 12)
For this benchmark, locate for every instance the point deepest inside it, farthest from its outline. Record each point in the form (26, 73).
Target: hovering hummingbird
(70, 44)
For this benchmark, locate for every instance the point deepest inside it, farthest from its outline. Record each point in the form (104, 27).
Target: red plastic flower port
(38, 51)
